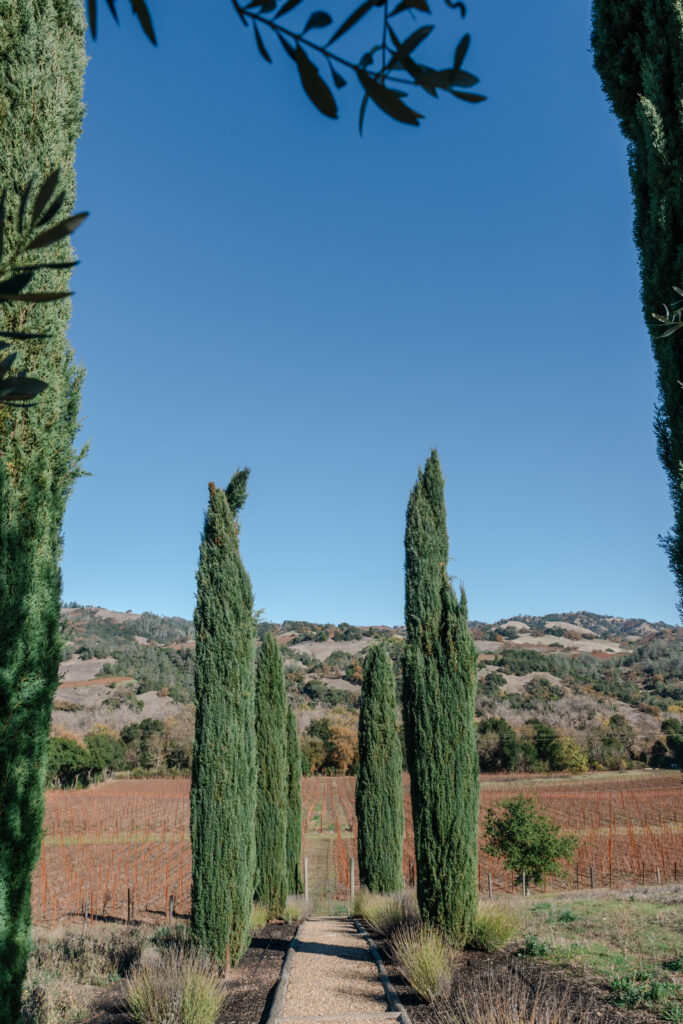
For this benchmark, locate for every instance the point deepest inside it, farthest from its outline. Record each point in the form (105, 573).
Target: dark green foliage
(106, 751)
(68, 764)
(155, 668)
(270, 883)
(639, 57)
(142, 741)
(293, 806)
(223, 793)
(42, 59)
(438, 703)
(544, 739)
(379, 789)
(399, 40)
(88, 629)
(328, 696)
(527, 841)
(498, 746)
(673, 730)
(659, 755)
(519, 661)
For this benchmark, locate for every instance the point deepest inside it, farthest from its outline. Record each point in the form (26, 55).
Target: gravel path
(333, 977)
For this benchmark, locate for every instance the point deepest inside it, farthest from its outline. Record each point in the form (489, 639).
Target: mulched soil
(582, 990)
(249, 988)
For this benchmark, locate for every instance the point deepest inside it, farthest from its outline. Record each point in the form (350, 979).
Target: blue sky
(259, 286)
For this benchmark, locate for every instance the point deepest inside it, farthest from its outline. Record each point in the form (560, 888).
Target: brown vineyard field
(132, 837)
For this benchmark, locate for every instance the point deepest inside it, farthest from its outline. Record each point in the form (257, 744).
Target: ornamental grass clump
(495, 925)
(425, 959)
(181, 988)
(259, 917)
(385, 912)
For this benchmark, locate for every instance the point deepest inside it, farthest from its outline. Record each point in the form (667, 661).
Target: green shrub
(533, 946)
(425, 959)
(566, 915)
(528, 841)
(495, 925)
(182, 988)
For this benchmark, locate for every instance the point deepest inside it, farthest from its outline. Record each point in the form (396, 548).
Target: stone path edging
(280, 994)
(395, 1004)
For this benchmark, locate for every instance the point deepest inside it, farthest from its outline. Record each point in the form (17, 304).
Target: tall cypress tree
(379, 789)
(42, 60)
(270, 887)
(438, 705)
(223, 793)
(293, 805)
(639, 57)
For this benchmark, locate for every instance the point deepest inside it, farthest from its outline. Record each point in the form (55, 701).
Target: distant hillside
(572, 671)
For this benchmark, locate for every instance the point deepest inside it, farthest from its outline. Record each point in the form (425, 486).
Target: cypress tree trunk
(42, 60)
(271, 789)
(379, 791)
(293, 806)
(638, 50)
(438, 704)
(223, 793)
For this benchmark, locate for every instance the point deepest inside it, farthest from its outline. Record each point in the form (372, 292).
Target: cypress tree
(223, 792)
(639, 57)
(293, 806)
(379, 789)
(42, 60)
(271, 791)
(438, 705)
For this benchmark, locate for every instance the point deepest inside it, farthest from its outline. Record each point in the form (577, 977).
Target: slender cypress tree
(438, 705)
(223, 793)
(379, 789)
(270, 887)
(42, 60)
(638, 52)
(293, 806)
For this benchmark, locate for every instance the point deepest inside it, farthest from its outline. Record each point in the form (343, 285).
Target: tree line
(245, 793)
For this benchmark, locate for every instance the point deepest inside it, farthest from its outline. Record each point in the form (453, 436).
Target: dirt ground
(581, 993)
(249, 988)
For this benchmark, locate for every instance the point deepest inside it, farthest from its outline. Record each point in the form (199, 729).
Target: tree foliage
(270, 886)
(527, 841)
(223, 792)
(293, 806)
(379, 788)
(41, 83)
(390, 62)
(438, 703)
(639, 57)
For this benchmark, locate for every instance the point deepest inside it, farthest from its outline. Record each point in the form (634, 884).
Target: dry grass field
(118, 836)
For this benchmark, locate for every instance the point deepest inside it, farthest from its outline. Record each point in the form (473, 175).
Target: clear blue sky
(259, 286)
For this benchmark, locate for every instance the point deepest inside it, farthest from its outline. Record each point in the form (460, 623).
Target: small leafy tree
(527, 840)
(568, 756)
